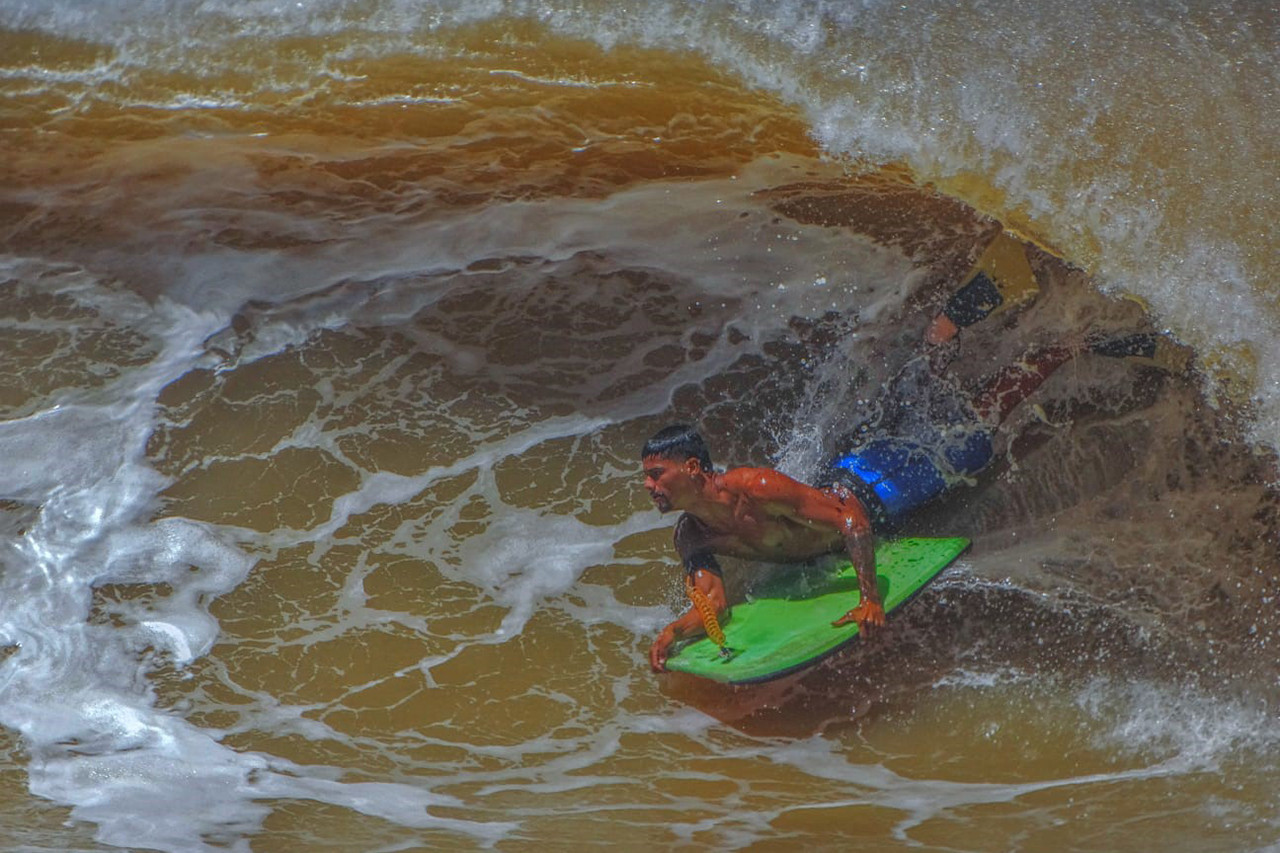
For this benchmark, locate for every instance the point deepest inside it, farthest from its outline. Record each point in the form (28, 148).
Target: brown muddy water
(331, 334)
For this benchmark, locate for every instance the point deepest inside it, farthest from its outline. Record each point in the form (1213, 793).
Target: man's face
(670, 482)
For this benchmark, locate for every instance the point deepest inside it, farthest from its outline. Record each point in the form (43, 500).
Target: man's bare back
(756, 525)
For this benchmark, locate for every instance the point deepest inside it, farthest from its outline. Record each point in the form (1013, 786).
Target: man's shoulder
(757, 480)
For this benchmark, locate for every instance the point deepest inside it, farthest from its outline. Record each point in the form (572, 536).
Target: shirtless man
(922, 437)
(755, 513)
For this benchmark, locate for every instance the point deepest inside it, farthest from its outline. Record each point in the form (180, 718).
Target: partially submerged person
(925, 435)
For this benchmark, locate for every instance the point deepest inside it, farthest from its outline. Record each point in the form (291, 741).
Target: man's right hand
(658, 651)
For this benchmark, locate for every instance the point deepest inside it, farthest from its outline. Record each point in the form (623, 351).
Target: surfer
(924, 435)
(754, 513)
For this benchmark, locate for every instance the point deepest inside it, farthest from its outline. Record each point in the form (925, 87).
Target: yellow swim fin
(1001, 279)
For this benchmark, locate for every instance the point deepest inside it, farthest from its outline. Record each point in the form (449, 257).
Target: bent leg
(1002, 279)
(1010, 385)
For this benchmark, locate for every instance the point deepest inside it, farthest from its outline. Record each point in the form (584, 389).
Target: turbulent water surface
(332, 330)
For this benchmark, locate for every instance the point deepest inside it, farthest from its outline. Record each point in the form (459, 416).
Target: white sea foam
(1177, 724)
(75, 690)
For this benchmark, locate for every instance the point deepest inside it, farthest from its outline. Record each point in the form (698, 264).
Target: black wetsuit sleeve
(704, 560)
(692, 546)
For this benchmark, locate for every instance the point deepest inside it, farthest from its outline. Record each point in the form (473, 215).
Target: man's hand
(658, 651)
(690, 624)
(868, 615)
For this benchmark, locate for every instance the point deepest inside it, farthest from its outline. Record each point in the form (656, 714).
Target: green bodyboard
(786, 625)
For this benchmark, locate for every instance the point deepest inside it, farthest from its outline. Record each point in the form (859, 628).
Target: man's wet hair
(678, 442)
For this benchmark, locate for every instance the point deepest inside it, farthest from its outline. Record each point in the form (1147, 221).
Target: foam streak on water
(73, 688)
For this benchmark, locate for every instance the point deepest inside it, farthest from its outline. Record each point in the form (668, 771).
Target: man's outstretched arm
(862, 552)
(859, 541)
